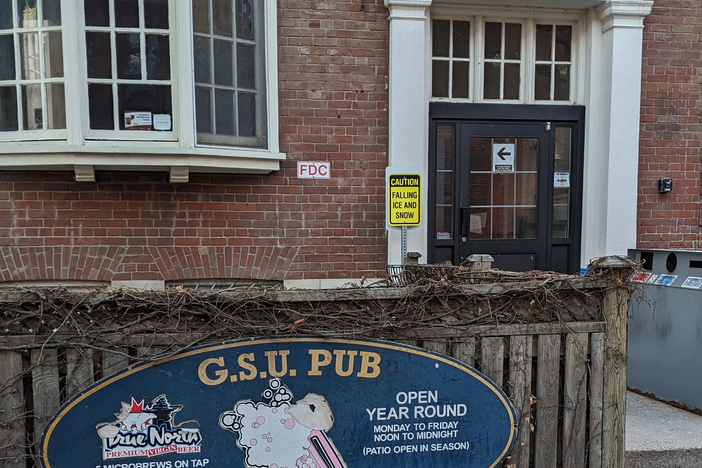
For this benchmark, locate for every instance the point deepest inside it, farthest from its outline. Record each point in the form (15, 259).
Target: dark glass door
(502, 194)
(508, 188)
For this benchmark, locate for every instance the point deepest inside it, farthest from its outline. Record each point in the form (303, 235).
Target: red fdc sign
(313, 170)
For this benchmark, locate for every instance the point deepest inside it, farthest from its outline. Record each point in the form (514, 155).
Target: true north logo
(147, 431)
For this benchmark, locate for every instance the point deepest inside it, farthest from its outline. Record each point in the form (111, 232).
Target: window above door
(522, 56)
(130, 84)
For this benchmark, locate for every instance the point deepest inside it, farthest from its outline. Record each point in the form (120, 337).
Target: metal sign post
(404, 244)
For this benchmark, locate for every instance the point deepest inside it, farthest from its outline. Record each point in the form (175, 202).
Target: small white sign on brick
(313, 170)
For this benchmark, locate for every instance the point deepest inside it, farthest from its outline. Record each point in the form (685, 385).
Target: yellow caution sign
(403, 199)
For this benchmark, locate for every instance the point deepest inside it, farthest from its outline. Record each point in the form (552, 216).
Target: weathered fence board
(45, 389)
(547, 398)
(79, 370)
(492, 355)
(575, 400)
(12, 433)
(596, 383)
(520, 393)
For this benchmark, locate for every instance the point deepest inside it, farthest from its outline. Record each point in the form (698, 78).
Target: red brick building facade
(671, 131)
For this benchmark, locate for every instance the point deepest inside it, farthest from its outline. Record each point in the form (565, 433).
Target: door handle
(465, 220)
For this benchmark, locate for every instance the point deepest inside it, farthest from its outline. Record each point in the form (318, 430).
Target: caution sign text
(404, 202)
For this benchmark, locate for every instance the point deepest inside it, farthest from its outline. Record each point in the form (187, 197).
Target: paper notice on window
(561, 180)
(477, 222)
(137, 121)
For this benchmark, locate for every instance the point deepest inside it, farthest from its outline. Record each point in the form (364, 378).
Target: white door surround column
(612, 140)
(408, 107)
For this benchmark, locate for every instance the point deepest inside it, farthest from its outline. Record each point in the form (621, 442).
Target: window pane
(561, 90)
(244, 19)
(513, 41)
(480, 154)
(128, 56)
(247, 114)
(444, 222)
(527, 154)
(493, 40)
(98, 50)
(563, 38)
(544, 34)
(542, 83)
(525, 223)
(5, 14)
(158, 57)
(526, 189)
(203, 110)
(156, 14)
(491, 83)
(97, 13)
(126, 13)
(143, 98)
(31, 108)
(51, 10)
(503, 223)
(8, 109)
(29, 56)
(201, 46)
(460, 80)
(245, 66)
(440, 38)
(461, 39)
(562, 150)
(7, 57)
(480, 189)
(444, 188)
(201, 10)
(27, 14)
(53, 54)
(444, 147)
(439, 78)
(224, 111)
(56, 102)
(100, 106)
(503, 189)
(511, 90)
(222, 17)
(223, 63)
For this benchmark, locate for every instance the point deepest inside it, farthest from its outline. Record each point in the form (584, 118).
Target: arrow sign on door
(503, 157)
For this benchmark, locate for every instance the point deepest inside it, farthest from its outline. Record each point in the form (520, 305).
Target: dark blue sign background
(453, 416)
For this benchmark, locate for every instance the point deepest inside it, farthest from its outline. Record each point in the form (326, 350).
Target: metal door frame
(465, 113)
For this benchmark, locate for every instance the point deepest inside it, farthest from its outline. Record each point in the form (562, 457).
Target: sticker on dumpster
(296, 402)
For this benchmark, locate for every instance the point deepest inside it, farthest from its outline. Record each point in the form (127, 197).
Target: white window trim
(176, 151)
(528, 17)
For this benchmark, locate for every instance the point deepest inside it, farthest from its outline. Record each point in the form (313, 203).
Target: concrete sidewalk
(661, 436)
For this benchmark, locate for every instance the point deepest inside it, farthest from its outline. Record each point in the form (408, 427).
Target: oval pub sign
(286, 403)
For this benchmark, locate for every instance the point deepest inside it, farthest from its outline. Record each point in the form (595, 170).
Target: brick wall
(671, 133)
(136, 226)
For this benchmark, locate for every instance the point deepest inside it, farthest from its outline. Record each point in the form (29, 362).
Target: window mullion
(529, 61)
(182, 66)
(74, 71)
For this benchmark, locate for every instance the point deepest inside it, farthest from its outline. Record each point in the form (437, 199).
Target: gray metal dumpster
(665, 326)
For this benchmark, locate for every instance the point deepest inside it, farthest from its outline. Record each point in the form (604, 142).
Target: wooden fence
(566, 380)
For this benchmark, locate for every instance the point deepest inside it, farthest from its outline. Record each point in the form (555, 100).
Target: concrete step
(659, 435)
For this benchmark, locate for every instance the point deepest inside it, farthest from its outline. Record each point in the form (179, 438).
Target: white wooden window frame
(85, 150)
(528, 17)
(18, 82)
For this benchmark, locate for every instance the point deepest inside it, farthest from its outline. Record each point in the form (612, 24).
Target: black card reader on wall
(665, 185)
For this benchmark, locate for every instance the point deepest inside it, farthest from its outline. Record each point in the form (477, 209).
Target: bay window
(132, 84)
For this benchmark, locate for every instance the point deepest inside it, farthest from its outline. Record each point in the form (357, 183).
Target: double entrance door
(510, 188)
